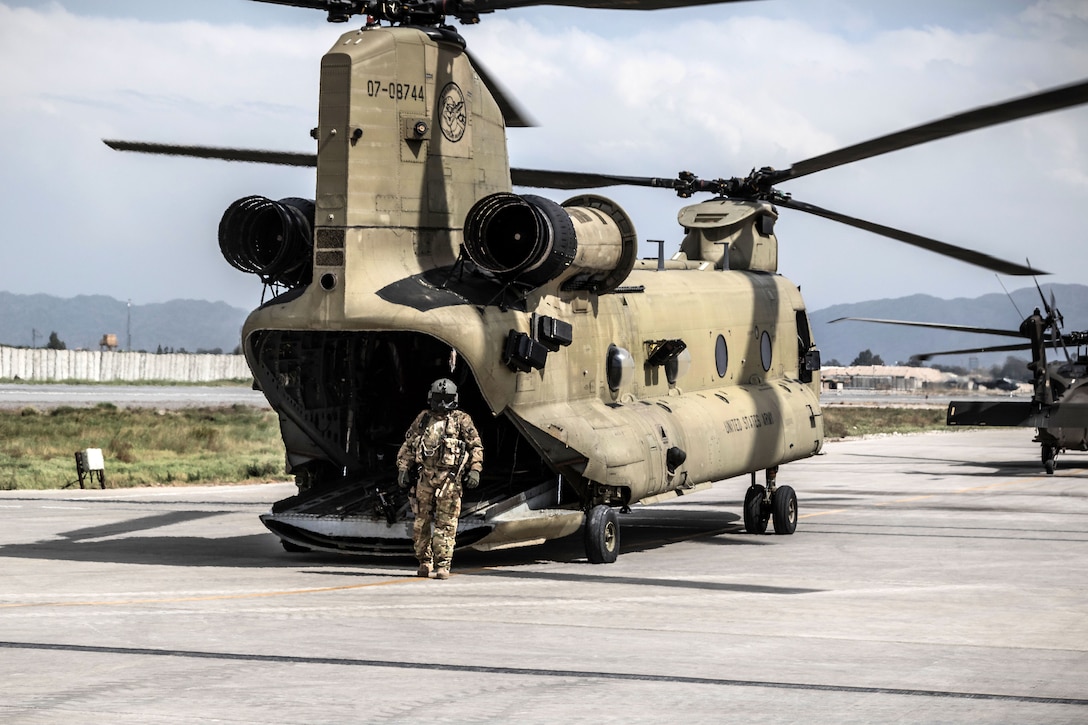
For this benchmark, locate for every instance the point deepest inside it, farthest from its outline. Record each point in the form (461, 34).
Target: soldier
(444, 443)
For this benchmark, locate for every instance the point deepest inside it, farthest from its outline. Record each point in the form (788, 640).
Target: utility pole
(34, 337)
(128, 329)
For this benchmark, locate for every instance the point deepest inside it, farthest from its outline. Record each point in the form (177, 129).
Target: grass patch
(145, 447)
(852, 421)
(141, 446)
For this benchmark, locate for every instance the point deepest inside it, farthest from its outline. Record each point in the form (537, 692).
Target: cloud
(721, 97)
(717, 91)
(132, 226)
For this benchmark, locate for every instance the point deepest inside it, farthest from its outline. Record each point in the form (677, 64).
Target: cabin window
(765, 350)
(721, 356)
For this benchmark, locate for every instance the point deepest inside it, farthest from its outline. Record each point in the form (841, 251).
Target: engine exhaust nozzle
(588, 242)
(272, 239)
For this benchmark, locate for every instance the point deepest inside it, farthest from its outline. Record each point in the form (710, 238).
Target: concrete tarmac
(46, 396)
(933, 578)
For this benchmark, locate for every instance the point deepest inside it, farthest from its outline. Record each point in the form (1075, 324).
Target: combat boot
(424, 569)
(442, 574)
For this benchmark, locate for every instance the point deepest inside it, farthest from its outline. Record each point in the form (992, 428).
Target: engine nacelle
(272, 239)
(588, 242)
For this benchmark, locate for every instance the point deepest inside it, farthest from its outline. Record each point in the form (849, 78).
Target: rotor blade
(282, 158)
(1014, 305)
(539, 179)
(1041, 295)
(936, 326)
(484, 6)
(312, 4)
(342, 8)
(513, 114)
(1058, 319)
(949, 250)
(971, 350)
(1049, 100)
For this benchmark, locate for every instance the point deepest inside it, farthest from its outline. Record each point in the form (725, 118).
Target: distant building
(886, 377)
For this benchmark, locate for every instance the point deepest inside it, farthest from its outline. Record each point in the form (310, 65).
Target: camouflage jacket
(441, 440)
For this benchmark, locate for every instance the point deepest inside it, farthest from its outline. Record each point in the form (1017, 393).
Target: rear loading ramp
(363, 519)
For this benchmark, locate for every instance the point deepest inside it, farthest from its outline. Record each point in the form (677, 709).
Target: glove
(473, 479)
(402, 479)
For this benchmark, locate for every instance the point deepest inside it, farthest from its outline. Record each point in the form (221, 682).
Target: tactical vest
(440, 444)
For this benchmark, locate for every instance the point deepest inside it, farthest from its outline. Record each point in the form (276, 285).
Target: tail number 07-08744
(395, 91)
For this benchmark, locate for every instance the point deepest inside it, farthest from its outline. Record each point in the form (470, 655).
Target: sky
(716, 90)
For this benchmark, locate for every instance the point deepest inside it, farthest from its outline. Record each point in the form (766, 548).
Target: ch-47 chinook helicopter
(597, 380)
(1058, 408)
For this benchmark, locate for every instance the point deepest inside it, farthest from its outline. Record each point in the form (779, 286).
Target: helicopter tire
(602, 535)
(755, 518)
(292, 547)
(1049, 454)
(784, 510)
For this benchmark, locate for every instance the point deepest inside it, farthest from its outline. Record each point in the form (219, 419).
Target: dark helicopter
(1058, 408)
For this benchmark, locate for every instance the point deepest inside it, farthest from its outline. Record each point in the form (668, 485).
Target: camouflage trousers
(439, 512)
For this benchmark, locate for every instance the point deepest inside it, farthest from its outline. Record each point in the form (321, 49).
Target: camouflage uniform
(446, 445)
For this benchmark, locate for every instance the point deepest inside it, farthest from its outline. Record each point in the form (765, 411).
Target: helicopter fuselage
(594, 378)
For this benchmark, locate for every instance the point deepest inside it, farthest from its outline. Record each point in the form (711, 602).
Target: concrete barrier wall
(102, 366)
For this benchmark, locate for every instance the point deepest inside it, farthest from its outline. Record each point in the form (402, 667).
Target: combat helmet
(443, 395)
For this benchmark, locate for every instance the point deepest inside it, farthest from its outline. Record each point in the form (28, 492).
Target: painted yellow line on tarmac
(215, 597)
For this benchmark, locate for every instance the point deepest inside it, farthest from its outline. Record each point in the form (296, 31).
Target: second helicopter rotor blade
(971, 351)
(935, 326)
(1052, 99)
(949, 250)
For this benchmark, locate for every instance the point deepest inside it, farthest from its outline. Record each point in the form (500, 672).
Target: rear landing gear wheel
(602, 535)
(755, 519)
(784, 508)
(1050, 452)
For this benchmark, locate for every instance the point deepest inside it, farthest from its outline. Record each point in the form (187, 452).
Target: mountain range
(843, 341)
(80, 322)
